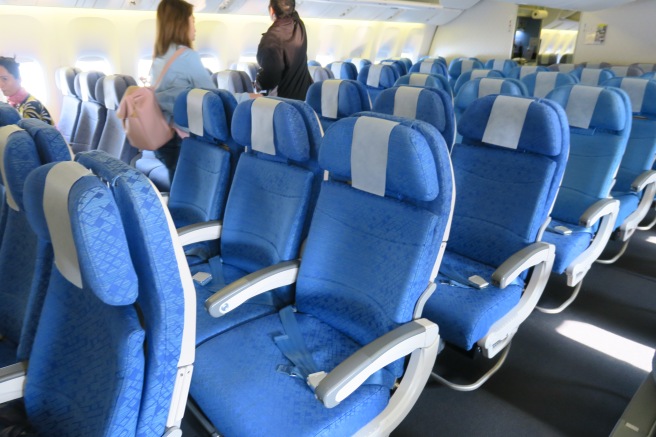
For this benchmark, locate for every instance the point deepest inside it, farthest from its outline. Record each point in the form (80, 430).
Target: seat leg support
(565, 304)
(616, 257)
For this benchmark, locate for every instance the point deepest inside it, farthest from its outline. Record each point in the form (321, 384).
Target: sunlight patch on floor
(618, 347)
(651, 239)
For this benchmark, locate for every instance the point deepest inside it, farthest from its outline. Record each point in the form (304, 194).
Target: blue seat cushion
(628, 204)
(568, 247)
(208, 326)
(237, 386)
(466, 314)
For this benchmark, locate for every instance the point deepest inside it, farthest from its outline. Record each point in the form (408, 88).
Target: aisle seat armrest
(12, 381)
(198, 232)
(526, 258)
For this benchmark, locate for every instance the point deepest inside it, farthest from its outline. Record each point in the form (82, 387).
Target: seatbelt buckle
(562, 230)
(202, 278)
(477, 282)
(314, 379)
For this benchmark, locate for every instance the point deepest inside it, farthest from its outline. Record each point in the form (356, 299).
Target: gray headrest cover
(489, 86)
(336, 68)
(566, 68)
(581, 105)
(262, 139)
(475, 74)
(195, 111)
(59, 181)
(498, 64)
(405, 101)
(330, 97)
(506, 121)
(426, 67)
(369, 154)
(590, 76)
(5, 132)
(527, 70)
(466, 65)
(84, 87)
(418, 79)
(544, 82)
(373, 79)
(635, 88)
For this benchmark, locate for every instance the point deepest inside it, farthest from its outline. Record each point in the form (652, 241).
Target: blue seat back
(313, 63)
(320, 74)
(377, 78)
(165, 285)
(425, 80)
(343, 70)
(502, 65)
(520, 72)
(8, 115)
(474, 74)
(207, 156)
(600, 123)
(92, 112)
(477, 88)
(507, 168)
(646, 68)
(641, 147)
(85, 373)
(626, 70)
(234, 81)
(592, 76)
(359, 63)
(399, 66)
(426, 104)
(70, 109)
(565, 68)
(389, 197)
(462, 65)
(334, 99)
(541, 83)
(270, 198)
(250, 68)
(113, 139)
(430, 66)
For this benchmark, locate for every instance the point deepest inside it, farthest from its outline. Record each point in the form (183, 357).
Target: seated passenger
(26, 104)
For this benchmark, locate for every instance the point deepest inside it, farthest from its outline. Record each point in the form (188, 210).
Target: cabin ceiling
(431, 12)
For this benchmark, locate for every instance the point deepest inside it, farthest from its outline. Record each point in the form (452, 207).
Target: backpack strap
(168, 64)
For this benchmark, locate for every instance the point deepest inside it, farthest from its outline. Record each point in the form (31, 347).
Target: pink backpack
(143, 122)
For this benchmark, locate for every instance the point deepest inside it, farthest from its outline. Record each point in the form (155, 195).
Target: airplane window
(210, 62)
(325, 59)
(94, 63)
(33, 79)
(143, 71)
(248, 58)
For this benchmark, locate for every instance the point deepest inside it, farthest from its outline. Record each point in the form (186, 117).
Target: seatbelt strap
(458, 280)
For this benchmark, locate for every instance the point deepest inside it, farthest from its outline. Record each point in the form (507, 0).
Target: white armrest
(198, 232)
(605, 210)
(12, 381)
(351, 373)
(233, 295)
(541, 257)
(518, 263)
(645, 183)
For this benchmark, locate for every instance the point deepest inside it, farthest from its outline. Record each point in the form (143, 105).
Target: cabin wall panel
(485, 31)
(630, 36)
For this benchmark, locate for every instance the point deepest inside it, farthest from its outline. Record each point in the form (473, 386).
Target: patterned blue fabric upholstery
(70, 109)
(520, 72)
(343, 296)
(427, 80)
(504, 196)
(377, 78)
(351, 97)
(477, 88)
(474, 74)
(8, 115)
(431, 66)
(541, 83)
(594, 159)
(200, 185)
(568, 246)
(432, 106)
(93, 113)
(592, 76)
(343, 70)
(502, 65)
(161, 297)
(462, 65)
(85, 374)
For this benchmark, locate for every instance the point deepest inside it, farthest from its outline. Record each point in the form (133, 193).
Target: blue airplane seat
(430, 66)
(166, 292)
(398, 65)
(336, 99)
(313, 63)
(92, 112)
(565, 67)
(541, 83)
(475, 74)
(8, 115)
(636, 180)
(592, 76)
(431, 58)
(320, 74)
(343, 70)
(85, 373)
(626, 70)
(22, 257)
(377, 78)
(425, 80)
(373, 249)
(407, 62)
(507, 169)
(431, 105)
(251, 68)
(269, 206)
(521, 71)
(502, 65)
(462, 65)
(235, 81)
(70, 109)
(113, 139)
(645, 67)
(359, 63)
(477, 88)
(584, 214)
(650, 75)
